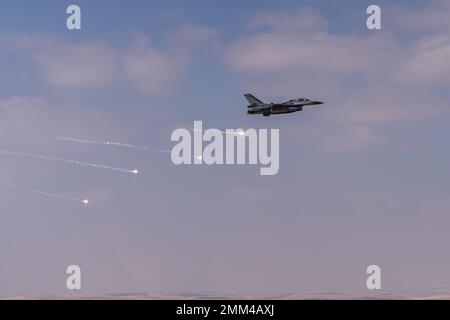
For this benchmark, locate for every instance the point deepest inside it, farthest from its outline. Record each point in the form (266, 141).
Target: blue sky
(363, 179)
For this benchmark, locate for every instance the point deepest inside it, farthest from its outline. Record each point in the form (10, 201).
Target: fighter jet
(266, 109)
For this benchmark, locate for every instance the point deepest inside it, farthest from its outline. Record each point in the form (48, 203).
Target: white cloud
(62, 64)
(290, 46)
(189, 36)
(85, 65)
(286, 47)
(154, 71)
(430, 63)
(151, 70)
(434, 17)
(302, 20)
(366, 80)
(282, 52)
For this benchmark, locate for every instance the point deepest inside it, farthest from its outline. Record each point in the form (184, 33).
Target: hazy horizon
(363, 179)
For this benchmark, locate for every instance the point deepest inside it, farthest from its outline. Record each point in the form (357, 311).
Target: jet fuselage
(266, 109)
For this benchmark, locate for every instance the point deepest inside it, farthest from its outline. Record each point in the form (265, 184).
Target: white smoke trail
(112, 143)
(45, 194)
(69, 161)
(107, 143)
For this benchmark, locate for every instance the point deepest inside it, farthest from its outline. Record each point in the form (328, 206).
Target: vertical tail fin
(253, 100)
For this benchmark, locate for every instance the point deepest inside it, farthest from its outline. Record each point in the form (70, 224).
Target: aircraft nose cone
(319, 102)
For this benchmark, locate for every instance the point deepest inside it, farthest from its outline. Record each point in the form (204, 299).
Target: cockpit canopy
(300, 100)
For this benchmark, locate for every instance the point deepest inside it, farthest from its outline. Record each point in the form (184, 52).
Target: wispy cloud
(431, 17)
(84, 65)
(290, 45)
(301, 20)
(369, 77)
(429, 64)
(150, 69)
